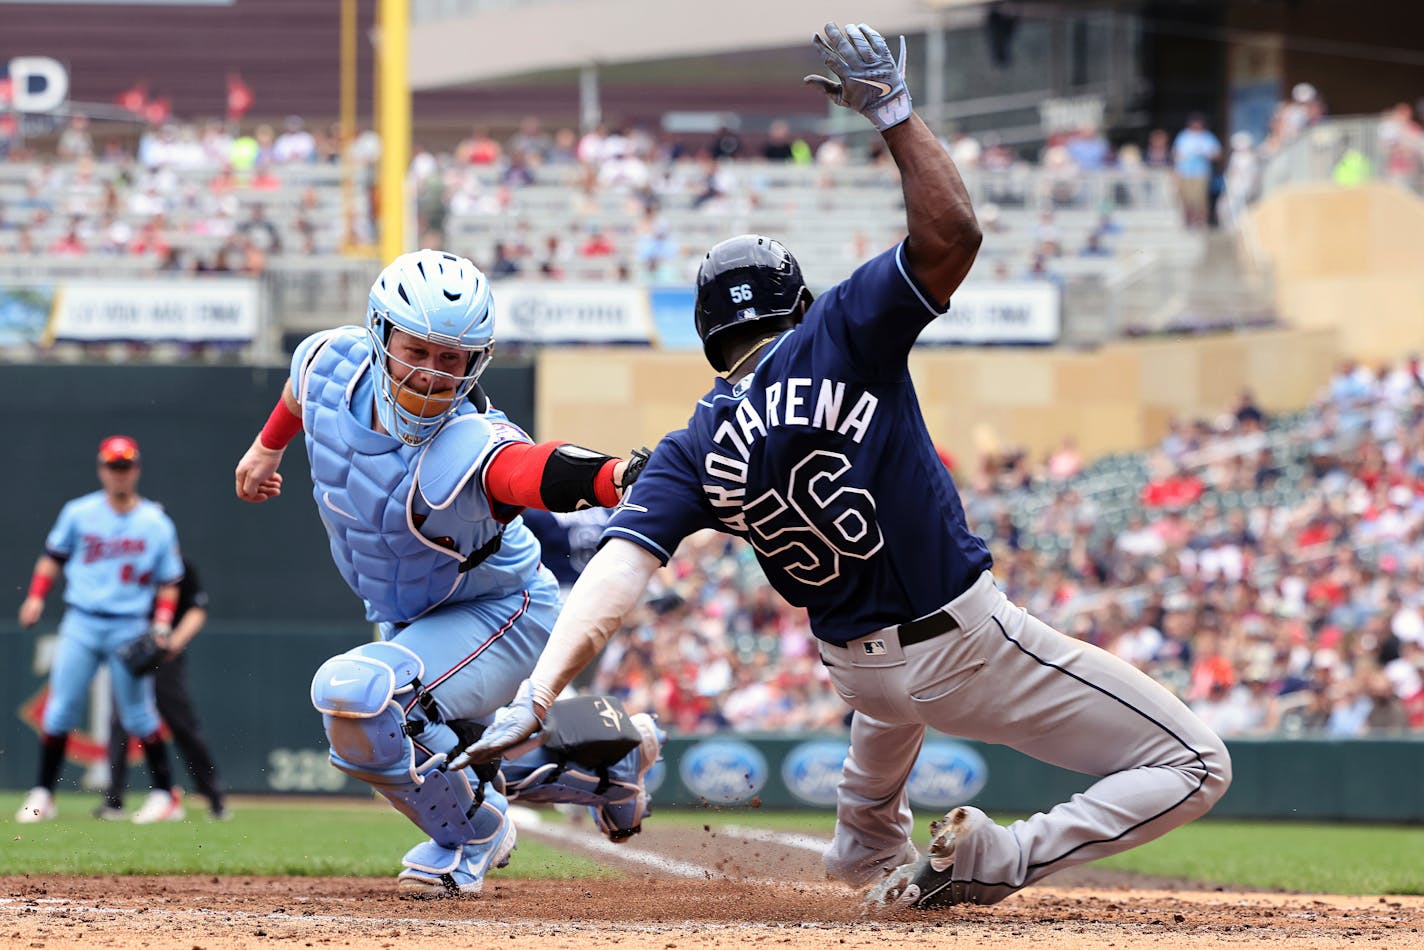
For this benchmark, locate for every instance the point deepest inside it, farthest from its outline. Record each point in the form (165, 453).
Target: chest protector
(408, 532)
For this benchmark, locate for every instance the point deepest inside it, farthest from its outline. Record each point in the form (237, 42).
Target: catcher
(119, 554)
(420, 480)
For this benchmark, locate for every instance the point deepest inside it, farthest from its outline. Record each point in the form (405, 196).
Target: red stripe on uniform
(466, 661)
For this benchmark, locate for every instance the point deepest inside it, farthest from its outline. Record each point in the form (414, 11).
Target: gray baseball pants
(1006, 677)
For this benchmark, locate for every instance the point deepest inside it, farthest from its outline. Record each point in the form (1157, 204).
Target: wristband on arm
(282, 426)
(40, 585)
(164, 609)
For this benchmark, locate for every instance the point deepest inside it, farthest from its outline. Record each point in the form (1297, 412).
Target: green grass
(270, 837)
(1308, 857)
(364, 838)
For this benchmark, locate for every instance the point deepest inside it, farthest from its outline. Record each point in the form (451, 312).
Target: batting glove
(512, 725)
(871, 82)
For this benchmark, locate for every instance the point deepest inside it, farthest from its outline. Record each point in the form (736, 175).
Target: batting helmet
(743, 280)
(444, 300)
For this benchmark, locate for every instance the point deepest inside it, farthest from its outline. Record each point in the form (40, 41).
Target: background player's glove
(871, 82)
(512, 725)
(144, 655)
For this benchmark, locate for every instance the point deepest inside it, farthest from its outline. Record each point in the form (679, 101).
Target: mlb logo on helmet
(118, 451)
(946, 774)
(812, 770)
(723, 770)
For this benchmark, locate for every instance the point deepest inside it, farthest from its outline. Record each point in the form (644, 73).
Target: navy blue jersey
(820, 458)
(568, 540)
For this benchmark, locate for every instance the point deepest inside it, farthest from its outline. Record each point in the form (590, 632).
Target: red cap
(118, 449)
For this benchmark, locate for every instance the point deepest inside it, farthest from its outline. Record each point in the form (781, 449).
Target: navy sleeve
(665, 505)
(875, 315)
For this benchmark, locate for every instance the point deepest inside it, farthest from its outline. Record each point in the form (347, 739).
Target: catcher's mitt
(142, 656)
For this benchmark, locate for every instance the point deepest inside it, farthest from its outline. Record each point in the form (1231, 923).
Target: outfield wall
(1116, 398)
(251, 681)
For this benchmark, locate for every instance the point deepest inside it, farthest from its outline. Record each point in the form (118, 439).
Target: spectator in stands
(295, 145)
(530, 141)
(75, 141)
(964, 149)
(1088, 148)
(778, 143)
(1193, 153)
(1047, 237)
(261, 232)
(1240, 181)
(1401, 141)
(478, 148)
(504, 264)
(1159, 149)
(1094, 246)
(657, 253)
(831, 153)
(69, 243)
(726, 144)
(597, 244)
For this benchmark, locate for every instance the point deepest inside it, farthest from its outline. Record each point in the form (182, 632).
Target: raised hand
(870, 81)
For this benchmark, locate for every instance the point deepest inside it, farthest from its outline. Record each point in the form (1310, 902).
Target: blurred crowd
(189, 198)
(1269, 571)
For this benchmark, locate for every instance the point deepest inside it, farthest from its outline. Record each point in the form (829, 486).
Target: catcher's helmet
(444, 300)
(745, 279)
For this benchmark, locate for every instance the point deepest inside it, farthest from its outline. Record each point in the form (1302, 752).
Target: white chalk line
(532, 823)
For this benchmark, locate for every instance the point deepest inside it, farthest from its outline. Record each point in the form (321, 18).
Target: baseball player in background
(175, 707)
(419, 481)
(119, 554)
(812, 447)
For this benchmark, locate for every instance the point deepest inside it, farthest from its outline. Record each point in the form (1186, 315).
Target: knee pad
(359, 695)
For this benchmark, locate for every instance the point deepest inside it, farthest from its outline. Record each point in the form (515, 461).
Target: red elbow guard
(554, 476)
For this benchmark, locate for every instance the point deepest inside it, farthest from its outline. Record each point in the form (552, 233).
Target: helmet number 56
(742, 293)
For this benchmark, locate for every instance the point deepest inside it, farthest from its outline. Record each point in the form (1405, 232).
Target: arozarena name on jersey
(99, 549)
(797, 401)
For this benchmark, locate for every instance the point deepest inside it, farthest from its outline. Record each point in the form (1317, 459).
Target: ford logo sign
(812, 770)
(946, 774)
(723, 770)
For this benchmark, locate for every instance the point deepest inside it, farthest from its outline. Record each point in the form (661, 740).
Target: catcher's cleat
(928, 882)
(38, 806)
(622, 820)
(160, 806)
(107, 812)
(433, 872)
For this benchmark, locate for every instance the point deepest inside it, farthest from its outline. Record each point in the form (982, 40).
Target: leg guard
(616, 794)
(359, 695)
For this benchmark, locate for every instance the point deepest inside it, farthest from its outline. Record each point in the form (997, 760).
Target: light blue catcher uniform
(113, 566)
(453, 580)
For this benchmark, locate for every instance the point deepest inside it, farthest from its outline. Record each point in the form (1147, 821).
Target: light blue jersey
(114, 563)
(410, 526)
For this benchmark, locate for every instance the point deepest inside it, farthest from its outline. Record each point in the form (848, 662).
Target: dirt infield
(752, 892)
(220, 913)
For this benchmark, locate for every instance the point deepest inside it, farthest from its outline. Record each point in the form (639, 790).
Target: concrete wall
(1116, 398)
(1349, 259)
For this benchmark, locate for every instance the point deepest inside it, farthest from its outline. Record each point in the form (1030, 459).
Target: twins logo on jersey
(102, 549)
